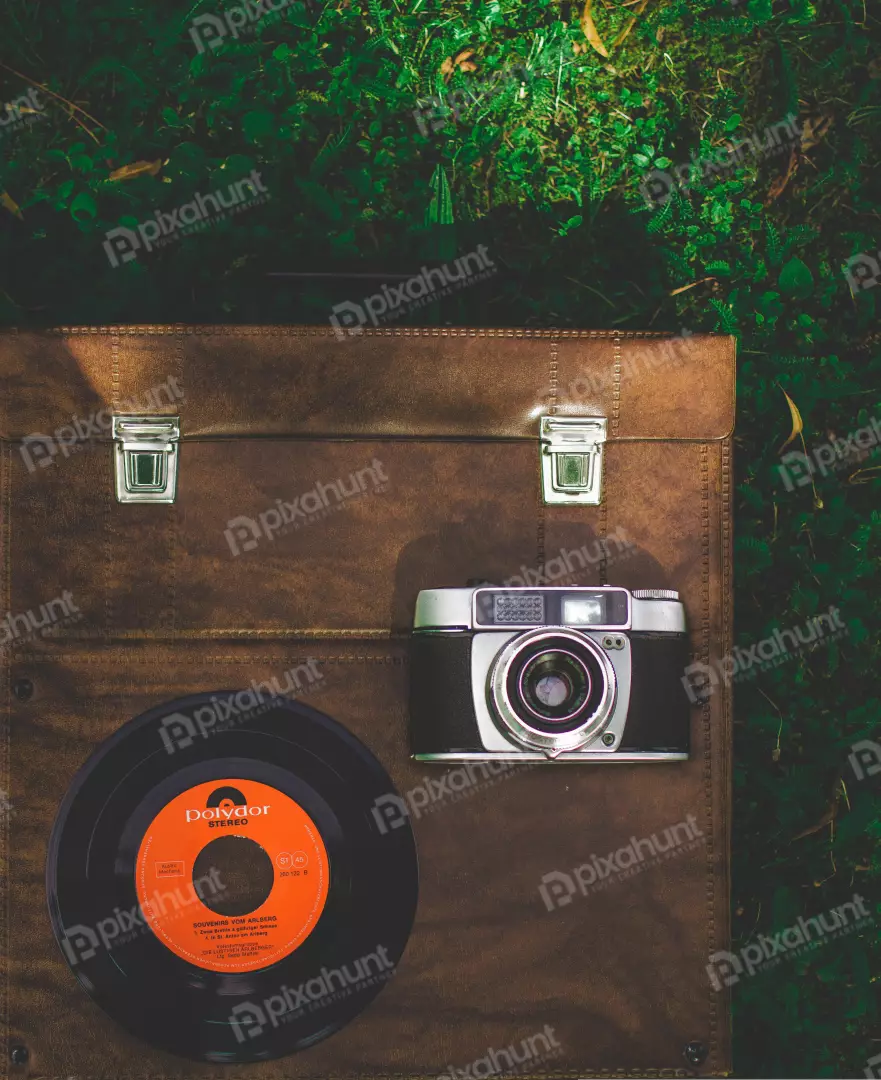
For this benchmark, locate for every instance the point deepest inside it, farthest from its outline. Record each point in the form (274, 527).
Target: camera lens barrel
(552, 689)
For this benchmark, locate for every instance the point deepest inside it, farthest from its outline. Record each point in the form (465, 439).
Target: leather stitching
(707, 732)
(345, 634)
(553, 376)
(114, 370)
(616, 386)
(605, 1074)
(328, 331)
(616, 406)
(174, 517)
(5, 501)
(726, 703)
(195, 658)
(109, 498)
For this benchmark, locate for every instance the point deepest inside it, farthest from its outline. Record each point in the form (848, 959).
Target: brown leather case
(503, 949)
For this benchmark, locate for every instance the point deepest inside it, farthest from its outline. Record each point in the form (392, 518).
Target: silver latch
(145, 455)
(572, 459)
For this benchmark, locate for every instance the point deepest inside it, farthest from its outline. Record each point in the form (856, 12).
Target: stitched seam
(541, 531)
(604, 506)
(109, 498)
(727, 695)
(170, 615)
(223, 633)
(604, 533)
(114, 368)
(195, 658)
(5, 899)
(173, 517)
(328, 331)
(624, 1073)
(706, 711)
(554, 376)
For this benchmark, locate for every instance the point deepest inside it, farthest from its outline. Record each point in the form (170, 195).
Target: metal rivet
(695, 1053)
(608, 739)
(19, 1055)
(23, 689)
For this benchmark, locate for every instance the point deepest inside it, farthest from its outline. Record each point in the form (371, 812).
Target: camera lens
(552, 689)
(554, 685)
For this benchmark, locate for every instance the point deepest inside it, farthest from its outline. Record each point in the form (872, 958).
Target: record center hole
(241, 871)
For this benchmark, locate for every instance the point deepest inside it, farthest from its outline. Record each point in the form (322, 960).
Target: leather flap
(308, 382)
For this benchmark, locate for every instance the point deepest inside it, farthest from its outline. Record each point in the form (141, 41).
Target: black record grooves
(345, 958)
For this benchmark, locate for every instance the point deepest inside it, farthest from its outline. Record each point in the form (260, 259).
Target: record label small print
(268, 853)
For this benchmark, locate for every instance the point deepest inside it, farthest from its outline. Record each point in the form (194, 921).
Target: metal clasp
(572, 459)
(145, 455)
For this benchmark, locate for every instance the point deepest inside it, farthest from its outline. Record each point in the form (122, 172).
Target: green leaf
(259, 123)
(83, 206)
(440, 209)
(853, 824)
(572, 223)
(796, 279)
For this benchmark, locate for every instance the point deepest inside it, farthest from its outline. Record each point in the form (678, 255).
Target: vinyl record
(228, 889)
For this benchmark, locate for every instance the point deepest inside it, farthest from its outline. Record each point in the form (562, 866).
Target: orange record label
(232, 875)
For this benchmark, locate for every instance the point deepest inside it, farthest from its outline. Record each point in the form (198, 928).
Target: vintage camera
(549, 674)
